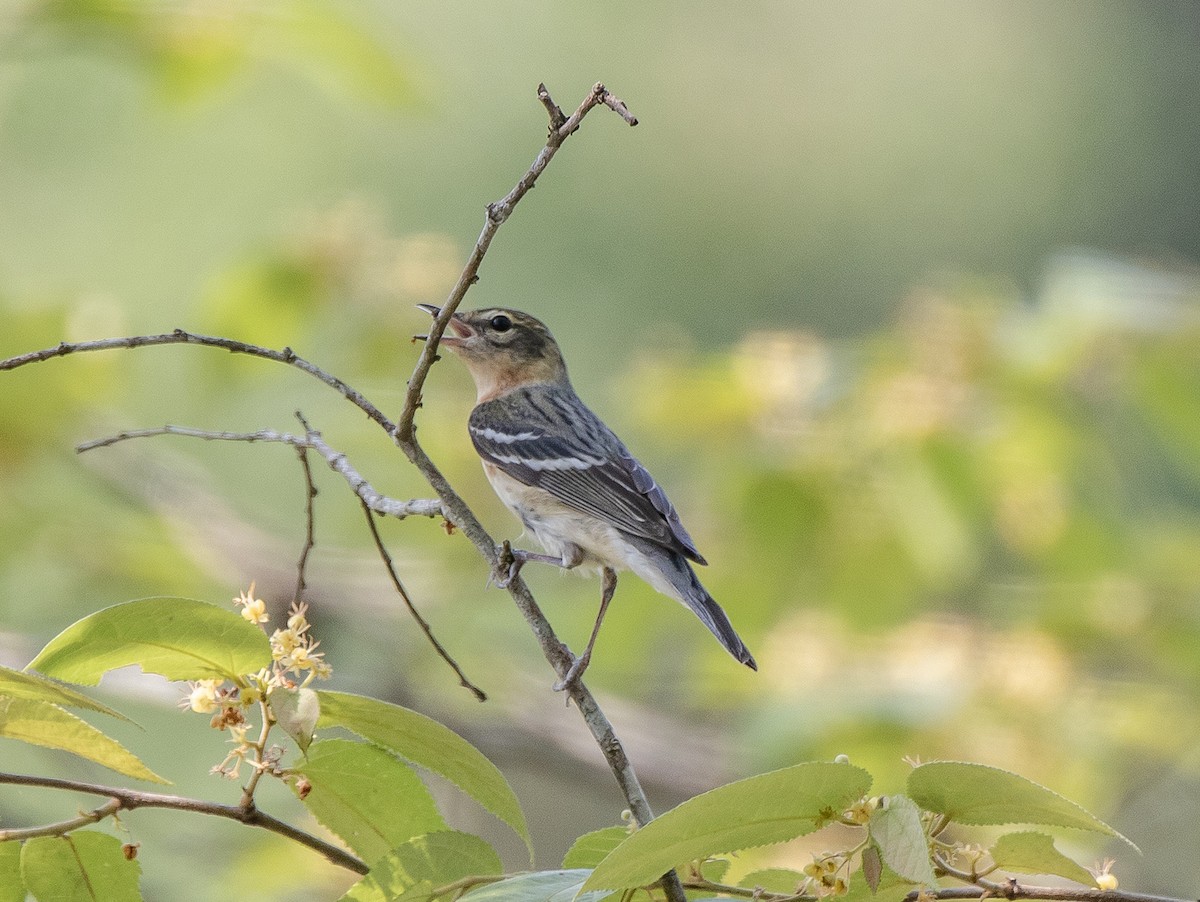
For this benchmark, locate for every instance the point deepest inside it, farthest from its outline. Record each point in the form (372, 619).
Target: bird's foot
(571, 678)
(508, 565)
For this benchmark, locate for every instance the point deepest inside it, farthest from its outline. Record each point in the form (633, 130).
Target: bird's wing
(564, 448)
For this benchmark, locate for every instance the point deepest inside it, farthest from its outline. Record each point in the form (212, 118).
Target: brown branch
(310, 526)
(179, 336)
(131, 799)
(561, 128)
(403, 592)
(370, 499)
(337, 460)
(555, 651)
(452, 506)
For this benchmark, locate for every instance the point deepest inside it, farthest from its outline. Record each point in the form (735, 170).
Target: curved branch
(180, 336)
(122, 799)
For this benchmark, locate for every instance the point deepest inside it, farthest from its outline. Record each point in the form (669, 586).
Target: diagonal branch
(451, 505)
(122, 799)
(561, 128)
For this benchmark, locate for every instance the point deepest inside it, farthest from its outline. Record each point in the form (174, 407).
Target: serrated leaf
(769, 808)
(44, 724)
(368, 798)
(872, 867)
(84, 866)
(592, 848)
(773, 880)
(897, 830)
(988, 796)
(891, 887)
(296, 711)
(12, 887)
(413, 869)
(179, 638)
(428, 744)
(35, 687)
(1034, 853)
(541, 886)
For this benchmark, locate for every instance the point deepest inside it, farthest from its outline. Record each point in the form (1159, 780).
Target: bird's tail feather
(690, 591)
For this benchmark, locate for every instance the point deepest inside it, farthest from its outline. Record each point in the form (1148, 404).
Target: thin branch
(403, 592)
(337, 460)
(452, 506)
(131, 799)
(310, 528)
(20, 834)
(555, 651)
(179, 336)
(370, 499)
(561, 128)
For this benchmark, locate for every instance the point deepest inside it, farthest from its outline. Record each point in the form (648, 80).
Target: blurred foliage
(943, 461)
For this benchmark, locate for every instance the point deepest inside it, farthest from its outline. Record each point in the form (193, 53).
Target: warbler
(566, 475)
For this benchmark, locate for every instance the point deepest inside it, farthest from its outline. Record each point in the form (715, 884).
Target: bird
(568, 478)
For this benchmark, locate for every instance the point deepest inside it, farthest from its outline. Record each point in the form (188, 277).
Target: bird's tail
(687, 588)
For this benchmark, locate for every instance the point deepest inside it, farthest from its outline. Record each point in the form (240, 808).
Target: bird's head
(503, 349)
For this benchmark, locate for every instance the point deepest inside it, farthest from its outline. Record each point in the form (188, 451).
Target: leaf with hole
(179, 638)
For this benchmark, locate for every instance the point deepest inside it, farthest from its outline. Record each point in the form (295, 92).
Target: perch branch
(451, 505)
(122, 799)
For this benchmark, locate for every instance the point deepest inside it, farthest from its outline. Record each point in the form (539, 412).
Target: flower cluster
(828, 875)
(294, 661)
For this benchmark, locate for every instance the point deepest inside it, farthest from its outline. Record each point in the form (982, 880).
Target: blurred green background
(898, 300)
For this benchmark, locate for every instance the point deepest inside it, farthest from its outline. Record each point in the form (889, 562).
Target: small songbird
(568, 478)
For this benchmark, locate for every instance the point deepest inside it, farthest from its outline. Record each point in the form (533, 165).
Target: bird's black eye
(501, 323)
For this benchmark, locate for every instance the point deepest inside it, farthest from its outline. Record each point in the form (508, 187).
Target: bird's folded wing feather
(566, 450)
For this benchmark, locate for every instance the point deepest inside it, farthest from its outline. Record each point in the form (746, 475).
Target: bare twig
(310, 494)
(122, 799)
(561, 128)
(368, 497)
(403, 592)
(555, 651)
(179, 336)
(338, 462)
(452, 506)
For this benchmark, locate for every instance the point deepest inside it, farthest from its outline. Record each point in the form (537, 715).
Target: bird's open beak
(461, 330)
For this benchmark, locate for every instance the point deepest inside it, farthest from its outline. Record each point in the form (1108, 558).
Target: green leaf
(424, 863)
(1034, 853)
(769, 808)
(591, 848)
(368, 798)
(32, 686)
(897, 830)
(12, 887)
(180, 638)
(430, 745)
(890, 887)
(541, 886)
(981, 795)
(84, 866)
(41, 723)
(773, 880)
(296, 711)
